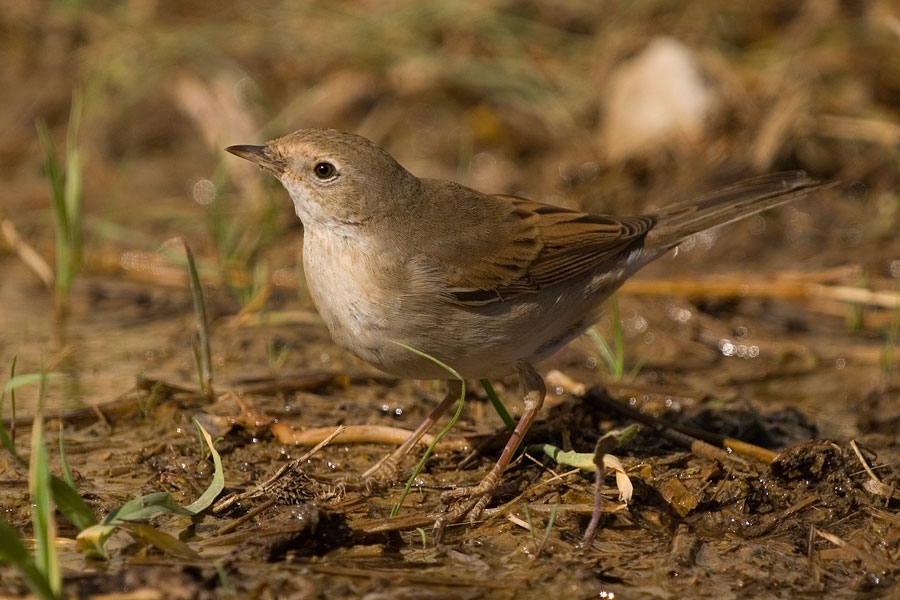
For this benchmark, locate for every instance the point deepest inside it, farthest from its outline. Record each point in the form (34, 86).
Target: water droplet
(727, 347)
(895, 268)
(679, 314)
(639, 323)
(203, 191)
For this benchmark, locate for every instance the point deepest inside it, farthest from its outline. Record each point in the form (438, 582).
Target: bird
(414, 275)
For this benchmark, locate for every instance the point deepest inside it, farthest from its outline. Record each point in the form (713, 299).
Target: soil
(779, 331)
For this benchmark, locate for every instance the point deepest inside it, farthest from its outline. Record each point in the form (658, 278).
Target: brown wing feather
(533, 245)
(559, 243)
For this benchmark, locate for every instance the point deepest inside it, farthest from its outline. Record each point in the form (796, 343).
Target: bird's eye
(325, 170)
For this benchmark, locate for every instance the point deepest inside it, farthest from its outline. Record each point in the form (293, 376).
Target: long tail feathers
(680, 221)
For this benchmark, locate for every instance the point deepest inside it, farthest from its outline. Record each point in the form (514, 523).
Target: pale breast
(338, 277)
(379, 305)
(360, 296)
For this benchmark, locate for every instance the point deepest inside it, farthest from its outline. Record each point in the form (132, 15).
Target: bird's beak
(261, 155)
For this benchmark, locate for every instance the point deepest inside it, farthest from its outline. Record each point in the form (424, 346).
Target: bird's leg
(473, 500)
(385, 471)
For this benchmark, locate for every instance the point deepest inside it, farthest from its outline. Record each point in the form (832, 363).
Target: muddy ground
(779, 331)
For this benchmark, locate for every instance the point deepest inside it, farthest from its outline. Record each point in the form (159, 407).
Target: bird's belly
(404, 336)
(407, 330)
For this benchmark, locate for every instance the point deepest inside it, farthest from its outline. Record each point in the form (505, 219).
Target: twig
(26, 253)
(677, 433)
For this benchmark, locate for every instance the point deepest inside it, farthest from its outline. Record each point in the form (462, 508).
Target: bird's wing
(516, 246)
(530, 246)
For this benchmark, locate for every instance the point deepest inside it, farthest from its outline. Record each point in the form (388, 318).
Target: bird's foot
(466, 503)
(377, 479)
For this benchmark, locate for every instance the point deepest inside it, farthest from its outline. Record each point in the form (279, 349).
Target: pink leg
(475, 499)
(385, 471)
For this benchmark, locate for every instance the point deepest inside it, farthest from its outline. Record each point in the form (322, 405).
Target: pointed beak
(261, 155)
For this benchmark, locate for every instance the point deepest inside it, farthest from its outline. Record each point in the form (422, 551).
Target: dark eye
(325, 170)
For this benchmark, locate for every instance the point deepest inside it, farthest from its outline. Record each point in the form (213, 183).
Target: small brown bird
(488, 285)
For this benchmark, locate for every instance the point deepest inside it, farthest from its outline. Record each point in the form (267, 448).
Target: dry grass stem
(26, 253)
(364, 434)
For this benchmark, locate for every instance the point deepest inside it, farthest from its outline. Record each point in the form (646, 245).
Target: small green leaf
(133, 514)
(162, 540)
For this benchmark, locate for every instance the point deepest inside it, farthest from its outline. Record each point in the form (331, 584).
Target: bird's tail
(680, 221)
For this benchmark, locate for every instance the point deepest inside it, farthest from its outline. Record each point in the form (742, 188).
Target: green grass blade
(50, 164)
(162, 540)
(72, 187)
(71, 504)
(67, 471)
(549, 529)
(218, 481)
(606, 352)
(7, 438)
(508, 421)
(224, 583)
(130, 515)
(65, 493)
(60, 214)
(204, 350)
(13, 551)
(17, 381)
(613, 356)
(12, 406)
(428, 451)
(92, 540)
(579, 460)
(67, 499)
(618, 337)
(66, 192)
(42, 512)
